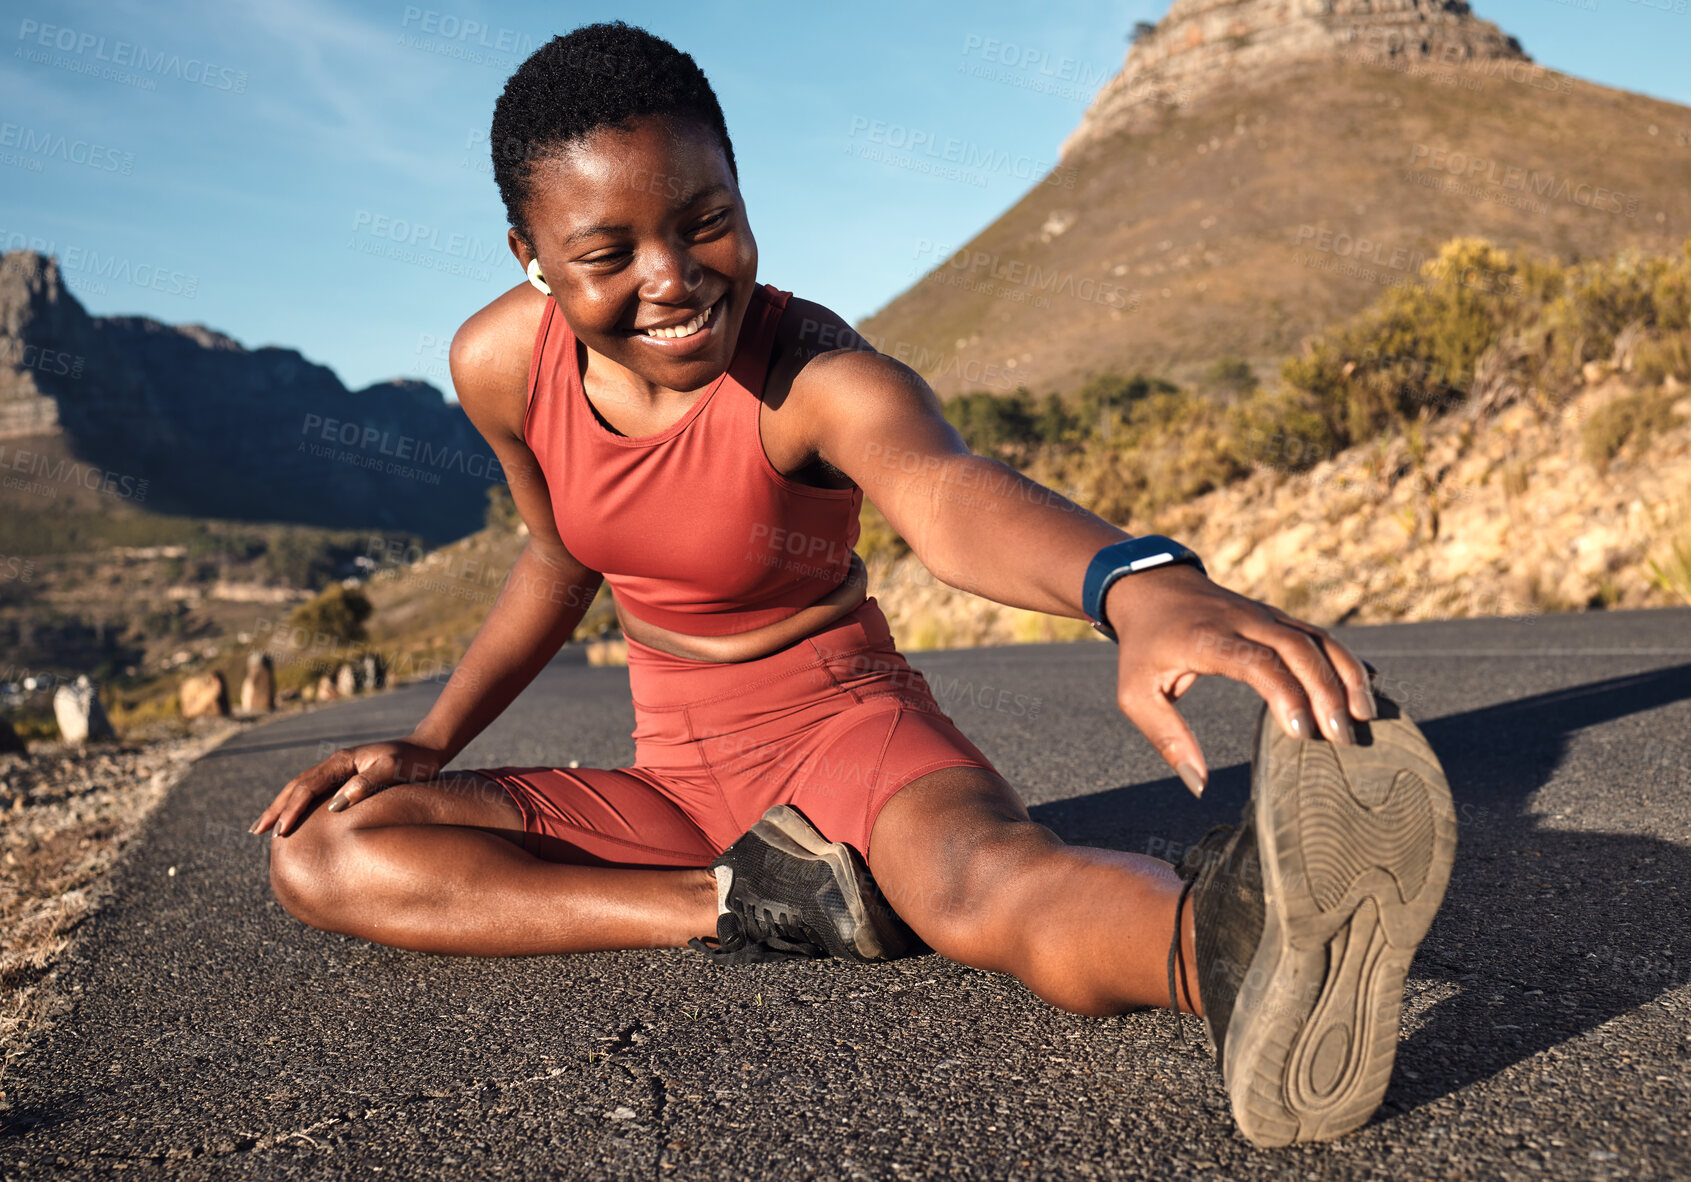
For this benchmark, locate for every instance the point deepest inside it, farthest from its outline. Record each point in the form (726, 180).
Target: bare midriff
(758, 642)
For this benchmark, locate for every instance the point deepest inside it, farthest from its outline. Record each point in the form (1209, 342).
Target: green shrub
(338, 612)
(1285, 430)
(1232, 377)
(1056, 424)
(876, 535)
(1103, 405)
(1415, 349)
(1637, 417)
(300, 560)
(35, 725)
(1129, 446)
(1601, 298)
(990, 423)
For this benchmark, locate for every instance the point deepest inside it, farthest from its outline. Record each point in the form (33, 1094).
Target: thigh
(869, 755)
(453, 798)
(463, 800)
(581, 816)
(945, 848)
(600, 817)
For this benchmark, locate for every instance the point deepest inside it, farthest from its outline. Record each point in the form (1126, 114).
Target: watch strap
(1127, 557)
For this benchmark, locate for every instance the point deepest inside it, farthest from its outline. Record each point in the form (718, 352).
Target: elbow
(942, 562)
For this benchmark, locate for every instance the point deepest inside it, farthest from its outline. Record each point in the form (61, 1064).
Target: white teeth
(684, 330)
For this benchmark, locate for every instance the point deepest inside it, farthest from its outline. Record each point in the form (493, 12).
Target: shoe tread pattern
(1356, 846)
(1341, 839)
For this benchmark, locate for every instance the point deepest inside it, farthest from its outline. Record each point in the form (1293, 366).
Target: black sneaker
(785, 892)
(1306, 916)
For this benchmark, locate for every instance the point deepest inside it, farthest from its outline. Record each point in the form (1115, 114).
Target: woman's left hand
(1174, 625)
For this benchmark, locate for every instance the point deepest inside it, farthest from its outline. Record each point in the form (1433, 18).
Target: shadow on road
(1546, 932)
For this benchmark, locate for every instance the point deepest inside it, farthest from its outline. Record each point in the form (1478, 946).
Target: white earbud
(536, 278)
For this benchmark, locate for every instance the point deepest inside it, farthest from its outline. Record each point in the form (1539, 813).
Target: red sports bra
(693, 528)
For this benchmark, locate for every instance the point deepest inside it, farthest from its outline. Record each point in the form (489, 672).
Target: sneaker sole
(860, 928)
(1356, 845)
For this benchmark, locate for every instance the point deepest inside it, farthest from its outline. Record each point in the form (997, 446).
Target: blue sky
(257, 167)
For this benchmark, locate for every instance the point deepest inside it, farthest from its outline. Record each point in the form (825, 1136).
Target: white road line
(1525, 652)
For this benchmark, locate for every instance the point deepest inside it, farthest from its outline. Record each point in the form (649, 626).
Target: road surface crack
(660, 1102)
(247, 1143)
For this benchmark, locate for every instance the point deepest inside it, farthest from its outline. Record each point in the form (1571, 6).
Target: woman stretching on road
(671, 424)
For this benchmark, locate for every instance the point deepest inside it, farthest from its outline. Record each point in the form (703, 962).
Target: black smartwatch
(1127, 558)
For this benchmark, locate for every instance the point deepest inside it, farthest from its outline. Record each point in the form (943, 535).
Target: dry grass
(1634, 418)
(1670, 568)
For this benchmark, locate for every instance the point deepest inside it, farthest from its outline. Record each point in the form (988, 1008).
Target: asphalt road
(1546, 1032)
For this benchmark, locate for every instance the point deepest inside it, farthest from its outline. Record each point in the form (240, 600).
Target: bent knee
(302, 871)
(970, 905)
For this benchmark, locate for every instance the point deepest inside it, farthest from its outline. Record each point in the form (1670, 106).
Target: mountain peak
(35, 308)
(1206, 46)
(30, 283)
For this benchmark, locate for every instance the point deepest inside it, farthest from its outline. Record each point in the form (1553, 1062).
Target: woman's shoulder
(808, 329)
(490, 357)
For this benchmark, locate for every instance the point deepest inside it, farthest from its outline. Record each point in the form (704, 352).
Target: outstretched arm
(980, 526)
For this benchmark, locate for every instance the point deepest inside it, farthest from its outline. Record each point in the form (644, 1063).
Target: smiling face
(639, 229)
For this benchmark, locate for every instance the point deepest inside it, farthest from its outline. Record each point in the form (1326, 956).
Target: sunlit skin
(634, 231)
(427, 863)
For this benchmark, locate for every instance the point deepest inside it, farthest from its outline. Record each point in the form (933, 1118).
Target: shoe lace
(780, 935)
(1191, 864)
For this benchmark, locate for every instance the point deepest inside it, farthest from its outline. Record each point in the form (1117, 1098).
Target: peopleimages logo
(424, 236)
(405, 447)
(982, 265)
(963, 155)
(60, 470)
(103, 267)
(1517, 178)
(466, 31)
(127, 54)
(49, 361)
(53, 145)
(422, 245)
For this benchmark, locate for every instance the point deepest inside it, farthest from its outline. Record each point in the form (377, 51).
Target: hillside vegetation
(1490, 373)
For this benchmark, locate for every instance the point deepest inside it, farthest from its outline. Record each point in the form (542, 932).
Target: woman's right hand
(358, 772)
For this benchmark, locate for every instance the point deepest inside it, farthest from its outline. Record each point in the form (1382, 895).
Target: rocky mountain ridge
(1201, 47)
(207, 427)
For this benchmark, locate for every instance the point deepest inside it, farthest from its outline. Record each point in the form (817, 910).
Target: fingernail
(1302, 725)
(338, 803)
(1192, 778)
(1373, 707)
(1342, 731)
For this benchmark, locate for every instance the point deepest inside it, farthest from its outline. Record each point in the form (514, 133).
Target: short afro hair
(600, 75)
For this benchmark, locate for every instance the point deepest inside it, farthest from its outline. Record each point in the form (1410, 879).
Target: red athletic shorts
(833, 725)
